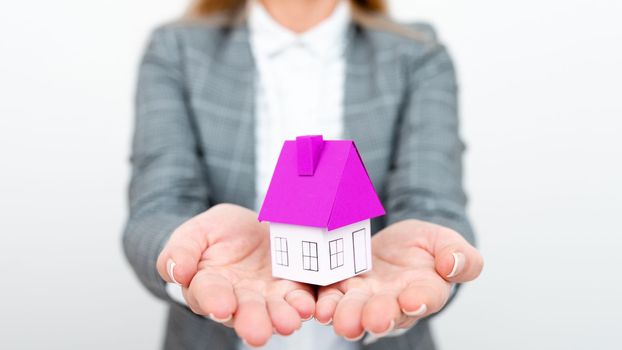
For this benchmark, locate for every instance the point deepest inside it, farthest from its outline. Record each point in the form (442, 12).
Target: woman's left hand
(414, 265)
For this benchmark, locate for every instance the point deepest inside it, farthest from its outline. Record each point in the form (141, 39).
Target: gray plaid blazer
(194, 142)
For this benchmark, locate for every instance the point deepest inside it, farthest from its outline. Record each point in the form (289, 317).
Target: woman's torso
(220, 76)
(221, 90)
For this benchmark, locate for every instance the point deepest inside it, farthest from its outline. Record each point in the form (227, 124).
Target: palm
(234, 276)
(237, 249)
(403, 273)
(395, 268)
(398, 261)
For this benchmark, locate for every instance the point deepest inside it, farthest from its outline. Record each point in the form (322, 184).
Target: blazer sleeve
(168, 185)
(425, 181)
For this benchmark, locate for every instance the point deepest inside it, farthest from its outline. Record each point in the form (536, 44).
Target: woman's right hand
(221, 258)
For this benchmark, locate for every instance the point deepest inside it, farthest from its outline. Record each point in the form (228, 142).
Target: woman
(217, 94)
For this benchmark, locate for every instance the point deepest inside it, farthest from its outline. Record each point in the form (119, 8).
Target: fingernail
(355, 338)
(220, 320)
(459, 260)
(307, 319)
(382, 334)
(170, 266)
(420, 311)
(325, 324)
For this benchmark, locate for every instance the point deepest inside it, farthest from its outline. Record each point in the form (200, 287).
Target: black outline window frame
(310, 256)
(278, 249)
(336, 253)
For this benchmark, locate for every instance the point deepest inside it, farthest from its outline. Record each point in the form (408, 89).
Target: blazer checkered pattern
(194, 142)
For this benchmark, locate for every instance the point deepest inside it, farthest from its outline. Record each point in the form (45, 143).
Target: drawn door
(359, 244)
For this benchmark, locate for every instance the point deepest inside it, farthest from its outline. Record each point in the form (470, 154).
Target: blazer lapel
(241, 183)
(225, 116)
(366, 118)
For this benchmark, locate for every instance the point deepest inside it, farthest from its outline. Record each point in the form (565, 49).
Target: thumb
(456, 260)
(178, 261)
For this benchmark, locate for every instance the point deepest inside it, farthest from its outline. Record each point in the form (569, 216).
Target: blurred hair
(369, 13)
(208, 7)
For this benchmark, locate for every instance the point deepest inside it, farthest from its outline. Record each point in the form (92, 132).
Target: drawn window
(335, 248)
(309, 256)
(280, 251)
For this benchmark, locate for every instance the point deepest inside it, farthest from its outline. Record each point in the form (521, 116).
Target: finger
(251, 321)
(380, 314)
(298, 298)
(302, 301)
(179, 259)
(285, 318)
(455, 259)
(425, 297)
(349, 312)
(327, 300)
(214, 296)
(191, 301)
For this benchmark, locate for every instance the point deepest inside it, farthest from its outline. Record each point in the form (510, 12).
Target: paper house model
(319, 205)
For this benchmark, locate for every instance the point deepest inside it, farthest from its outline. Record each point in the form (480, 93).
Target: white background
(542, 114)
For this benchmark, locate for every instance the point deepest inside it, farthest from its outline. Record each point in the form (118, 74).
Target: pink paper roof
(338, 193)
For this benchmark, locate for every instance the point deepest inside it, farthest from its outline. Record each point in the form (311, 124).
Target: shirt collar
(325, 40)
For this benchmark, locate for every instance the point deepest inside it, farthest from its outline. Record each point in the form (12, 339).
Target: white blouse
(300, 84)
(299, 91)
